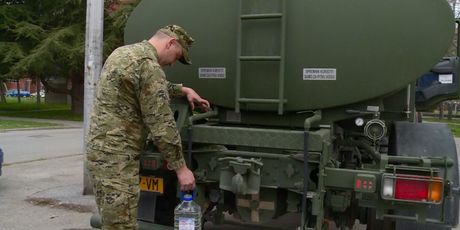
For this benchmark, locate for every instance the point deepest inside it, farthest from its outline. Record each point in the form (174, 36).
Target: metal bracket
(240, 175)
(456, 191)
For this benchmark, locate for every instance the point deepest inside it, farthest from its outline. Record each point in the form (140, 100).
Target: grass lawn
(453, 124)
(28, 108)
(10, 124)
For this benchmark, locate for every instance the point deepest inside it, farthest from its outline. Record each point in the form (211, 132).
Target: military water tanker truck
(314, 103)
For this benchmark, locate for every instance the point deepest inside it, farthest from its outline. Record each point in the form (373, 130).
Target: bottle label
(186, 223)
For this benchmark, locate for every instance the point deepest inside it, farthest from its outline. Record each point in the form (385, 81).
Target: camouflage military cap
(183, 38)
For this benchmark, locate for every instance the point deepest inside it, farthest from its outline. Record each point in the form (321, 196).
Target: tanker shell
(305, 54)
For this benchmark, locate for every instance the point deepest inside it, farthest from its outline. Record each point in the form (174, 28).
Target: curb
(40, 128)
(59, 124)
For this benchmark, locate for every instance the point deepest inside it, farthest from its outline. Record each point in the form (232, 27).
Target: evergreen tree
(46, 39)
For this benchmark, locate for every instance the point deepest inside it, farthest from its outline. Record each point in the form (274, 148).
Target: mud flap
(159, 208)
(428, 139)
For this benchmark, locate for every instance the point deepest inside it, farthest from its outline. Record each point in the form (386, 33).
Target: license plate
(151, 184)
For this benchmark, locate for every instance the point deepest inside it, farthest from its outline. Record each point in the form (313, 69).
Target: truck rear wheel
(427, 139)
(374, 224)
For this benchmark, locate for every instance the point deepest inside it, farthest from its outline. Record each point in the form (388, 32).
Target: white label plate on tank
(446, 78)
(212, 73)
(324, 74)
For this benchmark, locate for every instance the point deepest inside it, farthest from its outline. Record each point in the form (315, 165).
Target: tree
(455, 4)
(455, 7)
(10, 51)
(46, 39)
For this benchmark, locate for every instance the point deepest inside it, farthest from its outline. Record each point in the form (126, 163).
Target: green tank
(314, 110)
(301, 55)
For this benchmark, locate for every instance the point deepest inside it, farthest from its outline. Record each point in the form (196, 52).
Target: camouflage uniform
(132, 100)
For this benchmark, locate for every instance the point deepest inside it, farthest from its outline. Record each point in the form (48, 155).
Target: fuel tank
(300, 54)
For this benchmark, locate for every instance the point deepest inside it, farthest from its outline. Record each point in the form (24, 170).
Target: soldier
(132, 100)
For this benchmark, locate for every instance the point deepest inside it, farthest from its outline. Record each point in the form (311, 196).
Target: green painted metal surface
(264, 138)
(375, 47)
(255, 56)
(278, 170)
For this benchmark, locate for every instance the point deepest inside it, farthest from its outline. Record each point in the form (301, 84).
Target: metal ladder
(280, 100)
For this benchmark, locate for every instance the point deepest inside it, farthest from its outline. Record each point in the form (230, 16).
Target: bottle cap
(188, 197)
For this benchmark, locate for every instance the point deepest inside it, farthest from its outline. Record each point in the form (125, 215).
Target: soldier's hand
(193, 98)
(186, 178)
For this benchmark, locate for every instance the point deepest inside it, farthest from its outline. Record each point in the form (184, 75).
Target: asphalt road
(38, 195)
(30, 145)
(42, 183)
(42, 180)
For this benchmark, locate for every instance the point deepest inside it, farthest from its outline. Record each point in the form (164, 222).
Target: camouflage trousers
(116, 192)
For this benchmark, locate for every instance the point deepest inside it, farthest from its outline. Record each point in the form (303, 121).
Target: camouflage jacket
(132, 100)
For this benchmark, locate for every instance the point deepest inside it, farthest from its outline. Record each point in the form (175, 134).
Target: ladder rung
(261, 16)
(260, 100)
(260, 58)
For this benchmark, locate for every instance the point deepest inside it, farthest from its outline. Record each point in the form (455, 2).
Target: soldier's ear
(169, 43)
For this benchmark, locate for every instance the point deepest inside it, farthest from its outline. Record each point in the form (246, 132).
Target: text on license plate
(151, 184)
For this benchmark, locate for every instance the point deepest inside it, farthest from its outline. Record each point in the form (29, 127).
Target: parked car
(14, 93)
(42, 94)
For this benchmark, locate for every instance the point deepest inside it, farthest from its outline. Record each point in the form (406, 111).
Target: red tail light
(411, 189)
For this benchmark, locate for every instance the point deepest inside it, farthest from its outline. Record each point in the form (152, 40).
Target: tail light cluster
(404, 187)
(154, 163)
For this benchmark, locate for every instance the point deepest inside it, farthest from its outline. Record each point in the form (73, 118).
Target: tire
(428, 139)
(374, 224)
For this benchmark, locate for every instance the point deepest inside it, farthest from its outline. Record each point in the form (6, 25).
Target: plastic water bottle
(187, 215)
